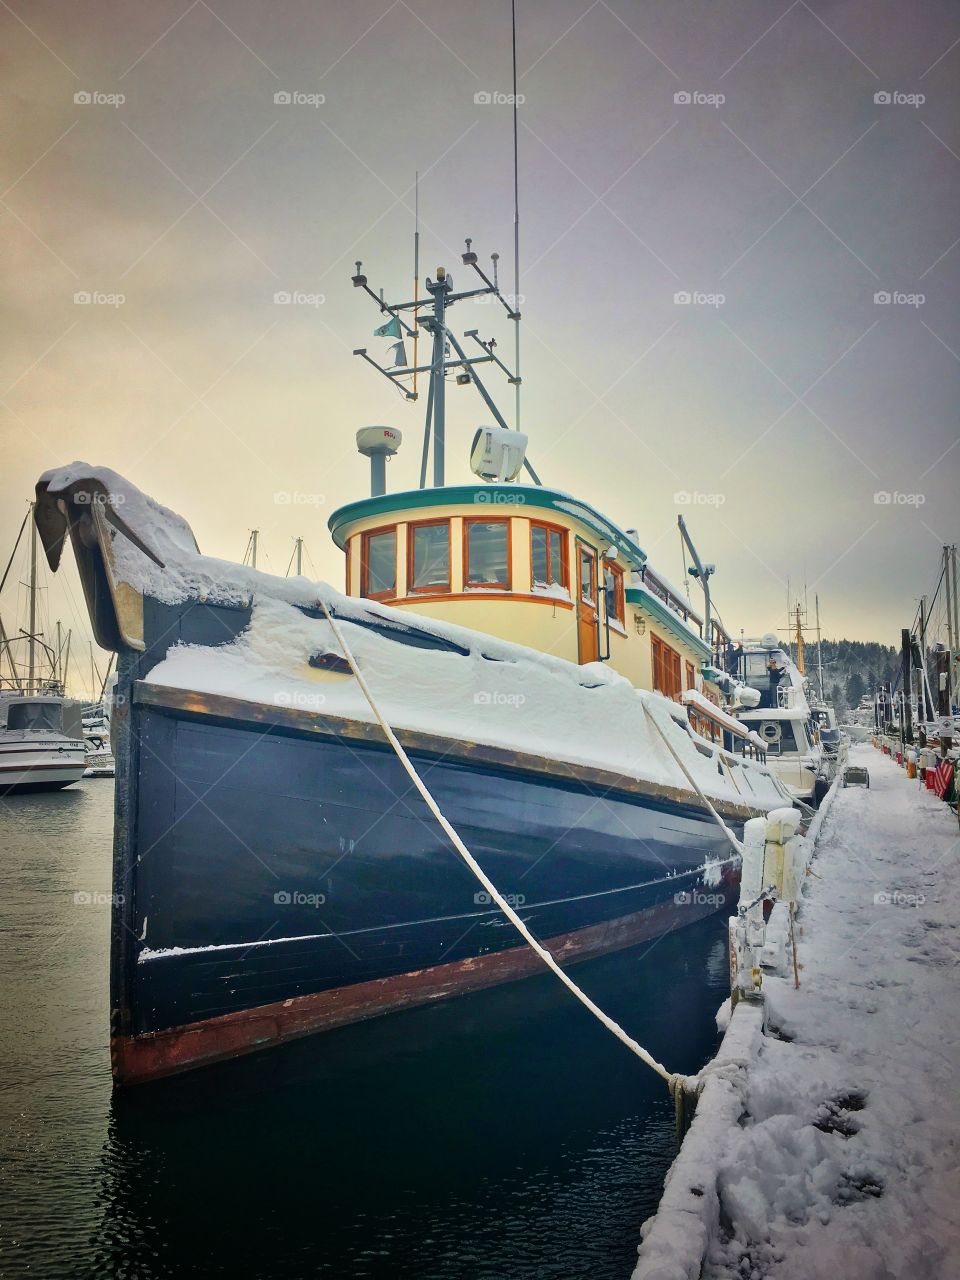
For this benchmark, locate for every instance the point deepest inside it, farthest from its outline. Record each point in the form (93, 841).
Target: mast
(948, 583)
(32, 659)
(798, 637)
(816, 602)
(250, 555)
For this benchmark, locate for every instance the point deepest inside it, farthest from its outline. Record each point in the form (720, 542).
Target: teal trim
(488, 498)
(645, 598)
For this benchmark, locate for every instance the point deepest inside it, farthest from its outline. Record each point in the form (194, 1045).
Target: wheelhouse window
(428, 553)
(548, 561)
(613, 591)
(666, 669)
(378, 563)
(486, 553)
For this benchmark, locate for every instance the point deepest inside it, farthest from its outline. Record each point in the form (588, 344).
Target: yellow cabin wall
(547, 625)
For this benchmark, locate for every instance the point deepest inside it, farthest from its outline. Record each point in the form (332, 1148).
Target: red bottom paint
(138, 1059)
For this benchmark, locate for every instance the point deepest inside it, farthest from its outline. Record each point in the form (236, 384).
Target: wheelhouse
(531, 565)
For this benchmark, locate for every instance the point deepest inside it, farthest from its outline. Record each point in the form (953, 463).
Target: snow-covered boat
(785, 719)
(274, 872)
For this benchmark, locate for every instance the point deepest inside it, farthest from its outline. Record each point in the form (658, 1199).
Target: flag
(942, 777)
(399, 354)
(389, 330)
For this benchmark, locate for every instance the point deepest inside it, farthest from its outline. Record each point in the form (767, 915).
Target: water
(504, 1134)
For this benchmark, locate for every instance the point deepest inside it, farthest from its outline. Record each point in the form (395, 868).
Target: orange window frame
(365, 562)
(619, 597)
(585, 552)
(471, 520)
(433, 588)
(691, 676)
(564, 552)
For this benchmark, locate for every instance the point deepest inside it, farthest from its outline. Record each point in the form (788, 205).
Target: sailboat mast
(32, 659)
(816, 601)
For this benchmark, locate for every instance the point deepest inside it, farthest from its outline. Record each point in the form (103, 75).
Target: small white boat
(41, 748)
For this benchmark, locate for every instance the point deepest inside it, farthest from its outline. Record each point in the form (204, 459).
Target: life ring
(770, 731)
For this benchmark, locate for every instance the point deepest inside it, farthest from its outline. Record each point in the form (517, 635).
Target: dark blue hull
(275, 868)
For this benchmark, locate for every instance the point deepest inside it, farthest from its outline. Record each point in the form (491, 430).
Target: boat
(784, 718)
(274, 872)
(41, 740)
(96, 734)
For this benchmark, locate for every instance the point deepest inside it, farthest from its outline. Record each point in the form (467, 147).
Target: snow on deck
(830, 1146)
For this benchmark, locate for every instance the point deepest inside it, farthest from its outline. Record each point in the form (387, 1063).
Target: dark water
(501, 1135)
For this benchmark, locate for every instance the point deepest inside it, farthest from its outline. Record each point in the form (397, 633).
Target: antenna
(441, 298)
(516, 223)
(416, 269)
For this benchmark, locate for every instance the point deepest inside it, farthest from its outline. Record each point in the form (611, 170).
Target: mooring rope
(738, 847)
(677, 1084)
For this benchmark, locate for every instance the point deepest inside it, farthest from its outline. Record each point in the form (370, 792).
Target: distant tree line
(852, 668)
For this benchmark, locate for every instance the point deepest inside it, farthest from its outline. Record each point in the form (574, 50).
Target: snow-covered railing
(691, 698)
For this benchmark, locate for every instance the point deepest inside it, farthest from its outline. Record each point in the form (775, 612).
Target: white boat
(41, 743)
(784, 719)
(96, 733)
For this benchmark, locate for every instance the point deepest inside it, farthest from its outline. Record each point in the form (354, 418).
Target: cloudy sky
(782, 165)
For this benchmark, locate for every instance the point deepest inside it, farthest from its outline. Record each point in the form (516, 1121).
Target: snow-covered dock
(827, 1139)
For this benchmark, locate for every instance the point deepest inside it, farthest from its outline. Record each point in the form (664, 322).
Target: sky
(738, 281)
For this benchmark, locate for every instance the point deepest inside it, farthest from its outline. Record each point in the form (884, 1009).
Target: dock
(826, 1140)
